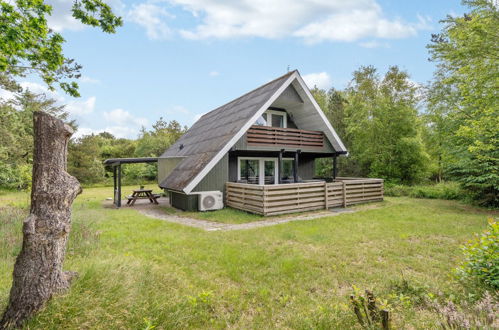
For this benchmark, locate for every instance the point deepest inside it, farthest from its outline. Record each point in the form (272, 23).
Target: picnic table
(142, 194)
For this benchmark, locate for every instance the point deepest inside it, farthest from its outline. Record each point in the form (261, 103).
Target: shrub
(368, 313)
(479, 315)
(443, 190)
(139, 173)
(408, 293)
(481, 265)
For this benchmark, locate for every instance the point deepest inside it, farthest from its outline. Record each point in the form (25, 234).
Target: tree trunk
(38, 270)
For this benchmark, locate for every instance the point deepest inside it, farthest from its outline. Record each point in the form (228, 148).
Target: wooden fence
(300, 197)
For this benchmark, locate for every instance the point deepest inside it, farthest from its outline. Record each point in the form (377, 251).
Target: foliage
(366, 309)
(378, 121)
(442, 190)
(408, 294)
(16, 129)
(383, 126)
(480, 315)
(84, 161)
(481, 264)
(28, 45)
(139, 173)
(466, 98)
(87, 153)
(333, 103)
(163, 134)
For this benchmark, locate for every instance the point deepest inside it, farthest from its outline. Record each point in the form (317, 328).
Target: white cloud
(320, 80)
(120, 123)
(75, 107)
(354, 25)
(122, 131)
(34, 88)
(310, 20)
(121, 117)
(81, 131)
(5, 95)
(62, 17)
(214, 73)
(117, 131)
(88, 80)
(151, 17)
(80, 108)
(41, 89)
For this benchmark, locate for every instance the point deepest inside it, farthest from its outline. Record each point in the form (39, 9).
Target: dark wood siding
(166, 166)
(216, 178)
(306, 167)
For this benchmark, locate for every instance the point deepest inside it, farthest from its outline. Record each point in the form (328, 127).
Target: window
(249, 170)
(273, 118)
(277, 120)
(287, 169)
(270, 171)
(257, 170)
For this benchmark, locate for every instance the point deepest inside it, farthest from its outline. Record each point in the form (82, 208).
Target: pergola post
(279, 167)
(119, 186)
(335, 166)
(295, 167)
(115, 187)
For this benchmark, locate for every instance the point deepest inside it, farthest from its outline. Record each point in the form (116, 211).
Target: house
(268, 137)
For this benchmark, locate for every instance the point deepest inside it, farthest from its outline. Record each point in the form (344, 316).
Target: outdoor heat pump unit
(210, 200)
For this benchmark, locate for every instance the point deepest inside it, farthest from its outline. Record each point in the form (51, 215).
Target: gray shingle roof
(206, 138)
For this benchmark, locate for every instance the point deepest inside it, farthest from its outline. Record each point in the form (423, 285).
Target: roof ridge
(251, 91)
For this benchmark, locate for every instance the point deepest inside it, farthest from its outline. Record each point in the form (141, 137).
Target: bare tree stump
(38, 273)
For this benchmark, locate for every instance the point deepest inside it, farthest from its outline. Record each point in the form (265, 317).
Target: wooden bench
(142, 194)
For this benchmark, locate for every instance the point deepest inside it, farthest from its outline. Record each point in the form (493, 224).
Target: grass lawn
(135, 271)
(227, 215)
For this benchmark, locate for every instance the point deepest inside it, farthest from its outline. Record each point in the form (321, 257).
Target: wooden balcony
(276, 136)
(299, 197)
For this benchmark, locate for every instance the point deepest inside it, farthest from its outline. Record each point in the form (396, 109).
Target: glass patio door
(249, 170)
(269, 175)
(258, 170)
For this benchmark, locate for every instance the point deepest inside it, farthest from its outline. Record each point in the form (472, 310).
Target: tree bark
(38, 270)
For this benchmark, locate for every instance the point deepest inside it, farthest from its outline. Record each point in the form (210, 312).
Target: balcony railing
(276, 136)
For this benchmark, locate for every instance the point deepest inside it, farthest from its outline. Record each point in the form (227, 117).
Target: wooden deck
(300, 197)
(275, 136)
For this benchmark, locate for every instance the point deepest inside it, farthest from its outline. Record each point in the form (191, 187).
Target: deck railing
(299, 197)
(276, 136)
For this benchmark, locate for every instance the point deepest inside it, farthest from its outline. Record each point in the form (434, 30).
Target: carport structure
(116, 164)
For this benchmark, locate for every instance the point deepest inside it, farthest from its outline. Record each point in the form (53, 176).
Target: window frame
(271, 113)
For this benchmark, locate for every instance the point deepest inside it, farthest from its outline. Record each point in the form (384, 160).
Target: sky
(179, 59)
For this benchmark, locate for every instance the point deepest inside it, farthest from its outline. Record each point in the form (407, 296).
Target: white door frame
(261, 168)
